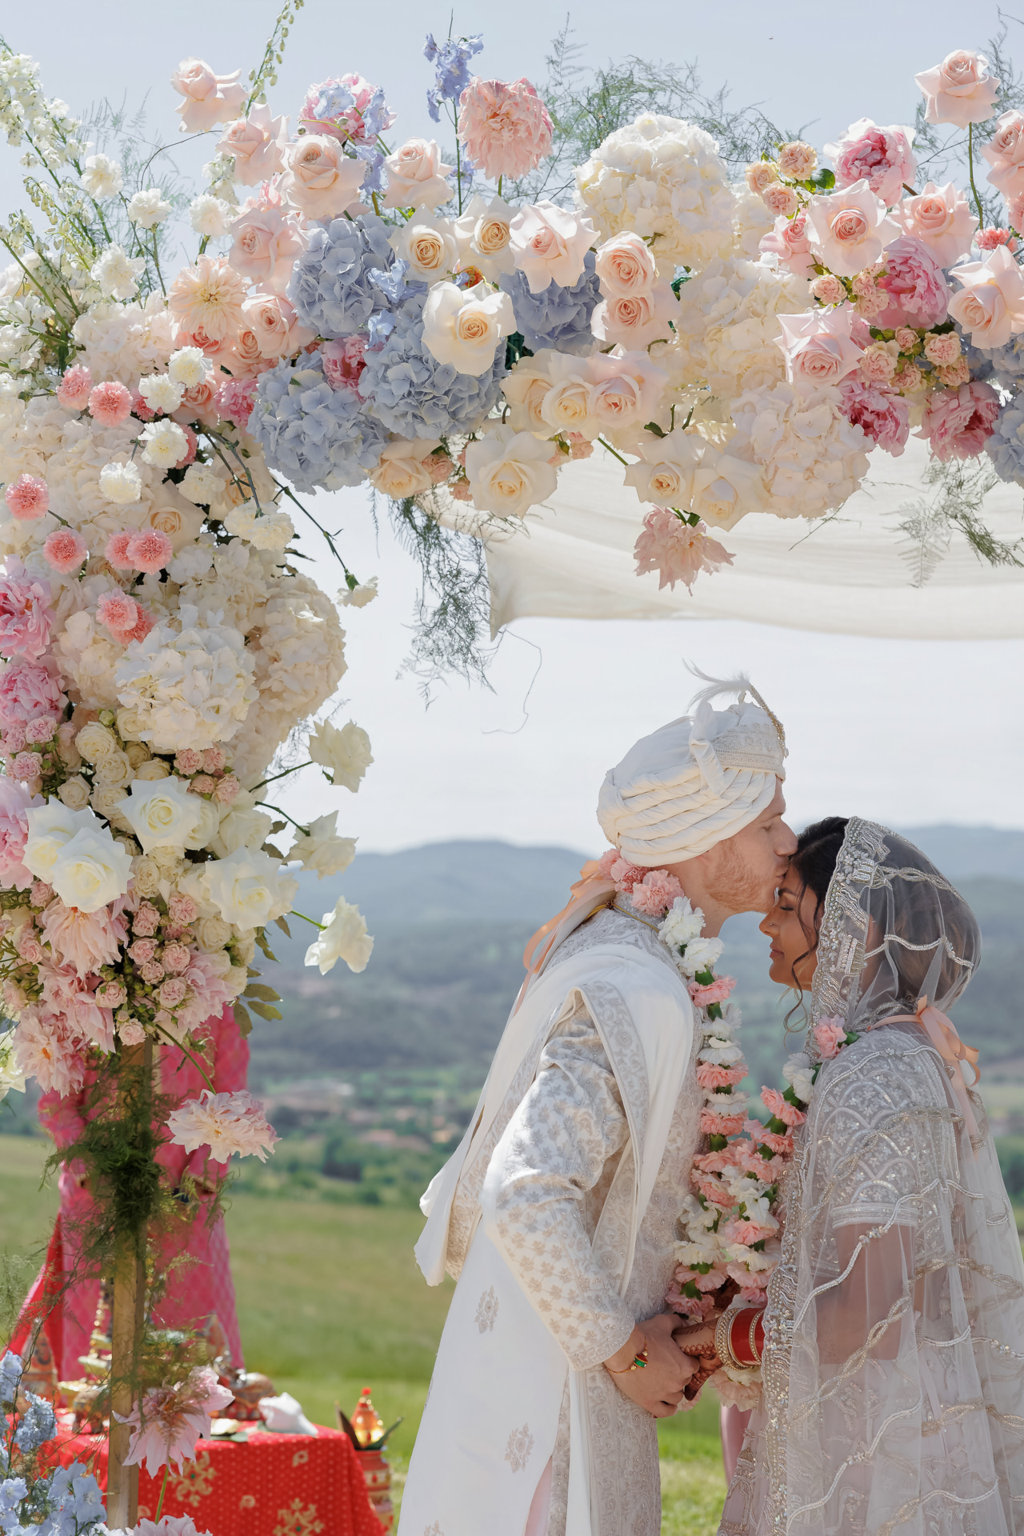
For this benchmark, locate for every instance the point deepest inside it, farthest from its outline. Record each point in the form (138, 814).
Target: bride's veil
(894, 1368)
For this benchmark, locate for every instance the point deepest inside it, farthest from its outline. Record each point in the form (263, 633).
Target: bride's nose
(768, 925)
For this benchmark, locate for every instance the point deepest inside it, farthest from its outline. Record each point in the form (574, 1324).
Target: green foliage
(952, 503)
(454, 603)
(265, 73)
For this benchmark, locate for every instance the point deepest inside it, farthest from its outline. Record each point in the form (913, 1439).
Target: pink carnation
(739, 1230)
(713, 1190)
(625, 874)
(25, 615)
(182, 910)
(677, 550)
(880, 156)
(110, 404)
(504, 126)
(919, 294)
(65, 550)
(152, 973)
(172, 992)
(73, 389)
(236, 398)
(150, 550)
(829, 1035)
(224, 1122)
(880, 414)
(214, 760)
(655, 893)
(146, 919)
(716, 991)
(116, 552)
(28, 690)
(188, 760)
(988, 239)
(712, 1124)
(175, 958)
(25, 767)
(344, 361)
(142, 951)
(27, 498)
(958, 422)
(118, 613)
(780, 1107)
(710, 1075)
(227, 789)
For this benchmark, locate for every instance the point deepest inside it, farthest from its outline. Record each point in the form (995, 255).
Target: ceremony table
(267, 1485)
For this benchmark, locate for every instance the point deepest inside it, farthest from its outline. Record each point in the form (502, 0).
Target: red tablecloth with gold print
(271, 1485)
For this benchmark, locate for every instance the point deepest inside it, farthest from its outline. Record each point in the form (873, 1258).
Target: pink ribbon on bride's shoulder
(941, 1031)
(591, 891)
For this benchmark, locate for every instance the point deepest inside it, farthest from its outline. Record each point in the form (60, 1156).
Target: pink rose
(880, 414)
(1005, 154)
(829, 1035)
(850, 227)
(320, 179)
(549, 245)
(797, 159)
(919, 294)
(28, 690)
(880, 156)
(256, 143)
(818, 347)
(25, 615)
(780, 200)
(417, 176)
(958, 422)
(209, 98)
(761, 175)
(625, 266)
(790, 242)
(275, 325)
(505, 127)
(636, 319)
(960, 90)
(991, 306)
(941, 218)
(626, 389)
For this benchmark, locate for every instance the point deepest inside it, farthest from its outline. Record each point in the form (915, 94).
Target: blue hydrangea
(1007, 363)
(315, 436)
(413, 395)
(330, 285)
(1006, 445)
(980, 360)
(451, 68)
(38, 1424)
(556, 317)
(334, 100)
(10, 1375)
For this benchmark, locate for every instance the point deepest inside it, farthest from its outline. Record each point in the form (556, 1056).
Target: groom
(558, 1212)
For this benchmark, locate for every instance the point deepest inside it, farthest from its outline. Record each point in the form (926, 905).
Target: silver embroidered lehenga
(894, 1356)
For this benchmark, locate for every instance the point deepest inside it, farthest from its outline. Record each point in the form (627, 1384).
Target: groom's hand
(658, 1387)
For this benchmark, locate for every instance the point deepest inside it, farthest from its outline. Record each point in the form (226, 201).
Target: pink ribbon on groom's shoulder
(591, 891)
(941, 1031)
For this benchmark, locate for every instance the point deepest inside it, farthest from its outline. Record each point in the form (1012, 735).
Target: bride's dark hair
(814, 862)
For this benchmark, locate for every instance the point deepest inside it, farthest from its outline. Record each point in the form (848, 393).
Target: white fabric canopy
(574, 559)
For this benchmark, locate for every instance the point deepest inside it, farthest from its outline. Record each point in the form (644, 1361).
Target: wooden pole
(127, 1318)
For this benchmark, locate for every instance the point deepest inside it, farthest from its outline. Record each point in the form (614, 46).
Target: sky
(902, 731)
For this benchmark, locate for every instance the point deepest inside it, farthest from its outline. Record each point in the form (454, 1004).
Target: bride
(893, 1340)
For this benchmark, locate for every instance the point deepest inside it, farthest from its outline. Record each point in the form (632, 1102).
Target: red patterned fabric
(274, 1485)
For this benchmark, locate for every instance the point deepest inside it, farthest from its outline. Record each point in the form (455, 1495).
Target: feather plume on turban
(696, 781)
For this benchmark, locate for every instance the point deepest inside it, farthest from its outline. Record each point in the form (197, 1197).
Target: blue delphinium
(312, 434)
(451, 68)
(1005, 447)
(38, 1424)
(412, 394)
(556, 317)
(75, 1502)
(10, 1375)
(330, 286)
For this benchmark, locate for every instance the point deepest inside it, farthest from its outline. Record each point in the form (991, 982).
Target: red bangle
(746, 1336)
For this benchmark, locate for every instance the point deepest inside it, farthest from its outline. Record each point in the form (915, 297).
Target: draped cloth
(894, 1358)
(518, 1387)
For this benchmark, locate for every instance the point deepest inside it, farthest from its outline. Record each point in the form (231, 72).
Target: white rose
(206, 828)
(148, 208)
(165, 444)
(509, 472)
(344, 755)
(120, 483)
(248, 888)
(483, 233)
(241, 828)
(145, 876)
(344, 937)
(212, 933)
(321, 849)
(152, 769)
(50, 828)
(463, 326)
(428, 245)
(94, 742)
(161, 393)
(91, 869)
(568, 406)
(665, 474)
(161, 813)
(402, 471)
(74, 793)
(113, 770)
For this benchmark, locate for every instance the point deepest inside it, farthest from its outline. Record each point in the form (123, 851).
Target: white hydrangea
(812, 458)
(189, 683)
(728, 323)
(125, 341)
(751, 221)
(664, 179)
(117, 274)
(161, 393)
(148, 207)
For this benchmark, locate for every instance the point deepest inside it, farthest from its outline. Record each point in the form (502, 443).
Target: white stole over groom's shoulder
(495, 1401)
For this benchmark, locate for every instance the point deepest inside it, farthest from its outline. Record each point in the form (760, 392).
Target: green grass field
(330, 1300)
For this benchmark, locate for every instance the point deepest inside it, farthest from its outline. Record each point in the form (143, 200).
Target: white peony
(321, 849)
(509, 471)
(727, 324)
(344, 754)
(247, 888)
(162, 813)
(464, 326)
(148, 207)
(161, 393)
(343, 937)
(121, 484)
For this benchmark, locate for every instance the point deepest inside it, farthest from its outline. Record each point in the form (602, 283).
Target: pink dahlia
(27, 498)
(224, 1122)
(169, 1420)
(676, 549)
(504, 126)
(958, 422)
(83, 940)
(880, 414)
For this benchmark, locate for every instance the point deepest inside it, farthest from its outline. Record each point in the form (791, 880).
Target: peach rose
(549, 245)
(636, 319)
(524, 389)
(849, 227)
(273, 322)
(960, 90)
(256, 144)
(417, 176)
(761, 175)
(402, 470)
(1005, 154)
(320, 179)
(942, 218)
(209, 98)
(268, 236)
(819, 348)
(625, 266)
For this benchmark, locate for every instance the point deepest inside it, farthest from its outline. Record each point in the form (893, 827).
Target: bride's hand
(658, 1386)
(698, 1340)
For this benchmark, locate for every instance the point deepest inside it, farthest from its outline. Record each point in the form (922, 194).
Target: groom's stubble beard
(734, 884)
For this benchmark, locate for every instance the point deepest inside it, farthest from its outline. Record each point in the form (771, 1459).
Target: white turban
(694, 782)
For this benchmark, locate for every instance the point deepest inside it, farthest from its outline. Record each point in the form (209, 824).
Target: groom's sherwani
(557, 1215)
